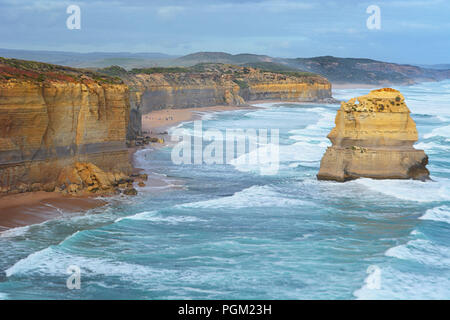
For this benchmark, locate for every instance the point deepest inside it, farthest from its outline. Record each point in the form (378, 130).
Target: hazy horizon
(411, 32)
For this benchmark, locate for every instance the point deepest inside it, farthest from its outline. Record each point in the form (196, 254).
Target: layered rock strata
(218, 84)
(373, 138)
(87, 178)
(52, 117)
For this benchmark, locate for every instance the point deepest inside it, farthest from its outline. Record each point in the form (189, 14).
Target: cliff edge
(373, 138)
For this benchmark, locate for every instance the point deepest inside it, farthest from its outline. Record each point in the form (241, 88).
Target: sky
(411, 31)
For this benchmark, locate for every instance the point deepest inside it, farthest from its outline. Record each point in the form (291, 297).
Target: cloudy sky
(412, 31)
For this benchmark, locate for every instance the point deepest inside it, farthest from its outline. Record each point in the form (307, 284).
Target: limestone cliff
(374, 137)
(51, 117)
(219, 84)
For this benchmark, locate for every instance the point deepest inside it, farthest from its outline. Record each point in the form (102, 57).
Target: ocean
(232, 232)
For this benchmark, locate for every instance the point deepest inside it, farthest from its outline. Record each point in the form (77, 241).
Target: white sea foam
(208, 115)
(255, 196)
(323, 125)
(3, 296)
(303, 237)
(411, 190)
(308, 149)
(156, 217)
(263, 159)
(396, 284)
(302, 151)
(265, 105)
(311, 141)
(54, 262)
(141, 157)
(441, 132)
(441, 213)
(422, 251)
(14, 232)
(430, 147)
(443, 118)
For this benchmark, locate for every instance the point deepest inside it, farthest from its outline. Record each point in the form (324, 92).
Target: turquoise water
(231, 233)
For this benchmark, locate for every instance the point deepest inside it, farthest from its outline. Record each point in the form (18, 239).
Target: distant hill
(444, 66)
(91, 59)
(335, 69)
(220, 57)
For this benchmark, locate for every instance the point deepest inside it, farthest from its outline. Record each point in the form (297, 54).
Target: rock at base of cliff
(130, 192)
(87, 178)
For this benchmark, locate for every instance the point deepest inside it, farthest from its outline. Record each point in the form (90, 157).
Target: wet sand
(158, 121)
(23, 209)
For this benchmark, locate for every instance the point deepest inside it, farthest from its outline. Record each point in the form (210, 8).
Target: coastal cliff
(57, 120)
(219, 84)
(52, 117)
(373, 138)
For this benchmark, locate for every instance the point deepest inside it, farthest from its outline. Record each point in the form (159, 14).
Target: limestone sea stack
(373, 138)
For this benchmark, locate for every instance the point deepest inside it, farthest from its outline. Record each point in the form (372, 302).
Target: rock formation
(373, 138)
(218, 84)
(52, 117)
(87, 178)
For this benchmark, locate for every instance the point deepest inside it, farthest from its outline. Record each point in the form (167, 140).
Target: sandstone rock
(22, 187)
(73, 188)
(4, 190)
(143, 176)
(49, 187)
(46, 126)
(141, 184)
(219, 84)
(36, 187)
(88, 178)
(373, 138)
(156, 140)
(67, 115)
(130, 192)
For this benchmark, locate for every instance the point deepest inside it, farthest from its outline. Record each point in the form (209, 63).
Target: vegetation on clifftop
(40, 72)
(238, 74)
(243, 76)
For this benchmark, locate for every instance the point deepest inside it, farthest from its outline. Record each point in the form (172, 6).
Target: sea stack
(373, 138)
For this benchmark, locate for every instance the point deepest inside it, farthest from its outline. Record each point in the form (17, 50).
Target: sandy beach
(23, 209)
(159, 121)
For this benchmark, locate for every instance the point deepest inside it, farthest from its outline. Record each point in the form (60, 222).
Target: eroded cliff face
(374, 137)
(161, 91)
(53, 117)
(50, 123)
(213, 84)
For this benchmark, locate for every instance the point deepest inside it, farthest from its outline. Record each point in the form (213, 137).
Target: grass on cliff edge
(219, 68)
(40, 71)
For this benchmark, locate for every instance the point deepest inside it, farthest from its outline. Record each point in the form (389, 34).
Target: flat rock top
(380, 100)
